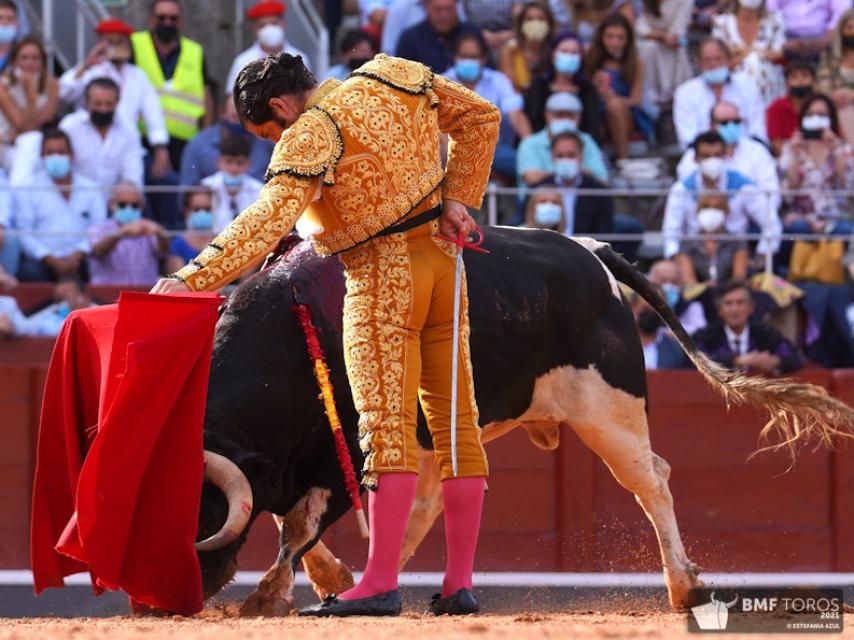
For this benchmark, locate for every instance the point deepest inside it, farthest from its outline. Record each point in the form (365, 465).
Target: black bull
(542, 307)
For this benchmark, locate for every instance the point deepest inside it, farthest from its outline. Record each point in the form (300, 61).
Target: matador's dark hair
(271, 77)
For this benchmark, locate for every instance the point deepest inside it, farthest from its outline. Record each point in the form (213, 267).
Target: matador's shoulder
(309, 148)
(405, 75)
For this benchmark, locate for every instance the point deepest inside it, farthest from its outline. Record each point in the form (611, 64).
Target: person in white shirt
(13, 323)
(138, 99)
(68, 296)
(694, 99)
(234, 189)
(746, 204)
(10, 249)
(53, 212)
(743, 154)
(107, 149)
(268, 22)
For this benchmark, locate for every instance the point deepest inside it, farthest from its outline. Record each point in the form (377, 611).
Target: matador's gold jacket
(363, 156)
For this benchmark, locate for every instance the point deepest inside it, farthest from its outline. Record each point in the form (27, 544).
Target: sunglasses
(120, 204)
(197, 209)
(167, 18)
(730, 121)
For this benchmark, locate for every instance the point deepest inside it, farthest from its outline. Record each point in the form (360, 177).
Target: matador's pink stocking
(463, 505)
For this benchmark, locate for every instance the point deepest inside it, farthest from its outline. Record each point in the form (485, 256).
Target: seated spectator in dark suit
(660, 349)
(431, 42)
(738, 342)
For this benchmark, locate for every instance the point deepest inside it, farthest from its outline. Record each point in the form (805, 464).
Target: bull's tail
(798, 412)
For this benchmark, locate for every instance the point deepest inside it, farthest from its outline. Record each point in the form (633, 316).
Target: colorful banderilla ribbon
(321, 373)
(458, 285)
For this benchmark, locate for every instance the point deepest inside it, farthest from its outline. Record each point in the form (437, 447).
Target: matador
(360, 161)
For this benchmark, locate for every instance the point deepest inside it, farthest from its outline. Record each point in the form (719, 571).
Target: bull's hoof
(143, 610)
(337, 579)
(264, 606)
(679, 585)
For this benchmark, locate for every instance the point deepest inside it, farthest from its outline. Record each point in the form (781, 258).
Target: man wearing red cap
(138, 99)
(268, 21)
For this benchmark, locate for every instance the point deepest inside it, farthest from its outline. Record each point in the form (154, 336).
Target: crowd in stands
(123, 167)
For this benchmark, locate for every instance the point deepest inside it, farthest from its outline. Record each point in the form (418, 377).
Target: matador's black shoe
(382, 604)
(456, 604)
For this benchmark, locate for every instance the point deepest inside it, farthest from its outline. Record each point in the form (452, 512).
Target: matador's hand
(455, 220)
(170, 285)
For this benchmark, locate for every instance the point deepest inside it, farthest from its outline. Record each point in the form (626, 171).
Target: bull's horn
(228, 478)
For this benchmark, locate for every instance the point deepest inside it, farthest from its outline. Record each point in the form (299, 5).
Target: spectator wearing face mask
(201, 155)
(431, 42)
(198, 218)
(9, 30)
(526, 56)
(755, 37)
(534, 155)
(783, 114)
(662, 32)
(544, 210)
(817, 161)
(694, 99)
(108, 149)
(668, 276)
(53, 212)
(660, 349)
(68, 296)
(745, 155)
(234, 190)
(746, 204)
(566, 76)
(470, 70)
(357, 47)
(138, 100)
(126, 248)
(269, 25)
(836, 73)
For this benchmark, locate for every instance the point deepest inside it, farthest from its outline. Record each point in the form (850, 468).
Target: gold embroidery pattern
(309, 148)
(398, 73)
(376, 311)
(251, 235)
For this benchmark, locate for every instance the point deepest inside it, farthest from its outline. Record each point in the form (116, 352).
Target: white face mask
(712, 168)
(272, 36)
(816, 122)
(548, 214)
(711, 220)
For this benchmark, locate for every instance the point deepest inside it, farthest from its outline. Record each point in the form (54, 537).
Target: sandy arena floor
(530, 626)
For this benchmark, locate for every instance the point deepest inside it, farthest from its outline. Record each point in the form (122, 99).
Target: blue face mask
(558, 127)
(547, 214)
(57, 166)
(730, 132)
(567, 63)
(63, 310)
(8, 33)
(232, 181)
(671, 294)
(468, 70)
(716, 76)
(566, 168)
(200, 220)
(125, 215)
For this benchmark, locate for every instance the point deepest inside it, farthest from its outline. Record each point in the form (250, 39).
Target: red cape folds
(120, 456)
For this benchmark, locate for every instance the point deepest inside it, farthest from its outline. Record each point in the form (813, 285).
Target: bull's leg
(274, 593)
(328, 575)
(425, 508)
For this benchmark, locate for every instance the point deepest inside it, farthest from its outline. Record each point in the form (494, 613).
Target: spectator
(233, 189)
(431, 41)
(668, 276)
(13, 323)
(28, 95)
(544, 210)
(470, 57)
(403, 14)
(808, 24)
(836, 74)
(54, 211)
(712, 260)
(373, 14)
(269, 24)
(746, 205)
(816, 161)
(584, 214)
(198, 218)
(617, 73)
(694, 99)
(662, 32)
(755, 38)
(745, 155)
(494, 20)
(357, 47)
(9, 30)
(108, 148)
(782, 115)
(175, 65)
(10, 248)
(68, 296)
(200, 156)
(660, 349)
(736, 341)
(567, 76)
(586, 17)
(138, 100)
(534, 156)
(526, 56)
(126, 248)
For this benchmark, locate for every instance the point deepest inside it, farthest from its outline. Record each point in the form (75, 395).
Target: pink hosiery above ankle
(388, 508)
(463, 505)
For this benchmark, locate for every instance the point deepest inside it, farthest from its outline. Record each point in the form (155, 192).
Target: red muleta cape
(120, 457)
